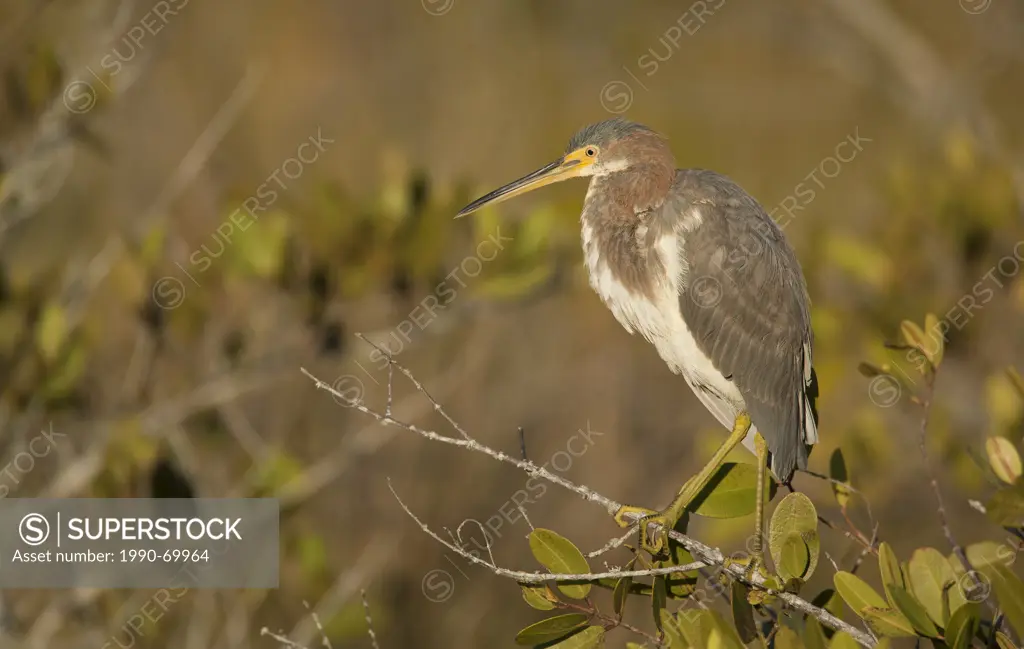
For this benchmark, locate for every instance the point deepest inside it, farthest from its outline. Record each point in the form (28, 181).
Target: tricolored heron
(695, 265)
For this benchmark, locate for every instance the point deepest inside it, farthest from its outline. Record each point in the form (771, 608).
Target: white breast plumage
(659, 320)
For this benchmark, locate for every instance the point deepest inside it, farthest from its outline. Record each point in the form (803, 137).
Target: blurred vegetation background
(156, 303)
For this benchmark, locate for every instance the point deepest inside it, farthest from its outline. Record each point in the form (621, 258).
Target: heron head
(596, 150)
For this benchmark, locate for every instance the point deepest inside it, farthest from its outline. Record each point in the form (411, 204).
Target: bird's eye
(591, 152)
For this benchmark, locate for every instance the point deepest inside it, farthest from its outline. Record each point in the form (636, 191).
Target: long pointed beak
(558, 170)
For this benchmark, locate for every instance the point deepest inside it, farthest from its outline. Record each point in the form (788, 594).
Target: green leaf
(795, 557)
(827, 600)
(1006, 506)
(930, 574)
(843, 640)
(870, 371)
(837, 471)
(659, 598)
(1009, 592)
(539, 597)
(151, 248)
(963, 624)
(857, 594)
(730, 493)
(987, 553)
(914, 611)
(1016, 380)
(1004, 459)
(914, 337)
(892, 574)
(795, 515)
(727, 636)
(936, 348)
(887, 622)
(670, 625)
(786, 638)
(621, 594)
(1003, 642)
(680, 584)
(52, 331)
(743, 613)
(592, 636)
(551, 629)
(814, 635)
(561, 557)
(255, 247)
(695, 626)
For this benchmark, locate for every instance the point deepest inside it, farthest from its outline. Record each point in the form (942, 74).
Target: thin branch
(706, 556)
(369, 620)
(538, 577)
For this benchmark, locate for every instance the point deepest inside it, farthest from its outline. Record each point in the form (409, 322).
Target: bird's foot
(655, 543)
(754, 565)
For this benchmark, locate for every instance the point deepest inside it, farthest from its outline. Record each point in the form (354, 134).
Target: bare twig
(369, 620)
(538, 577)
(705, 555)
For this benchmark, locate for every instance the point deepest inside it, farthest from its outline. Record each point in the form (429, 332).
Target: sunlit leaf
(670, 625)
(1006, 506)
(837, 471)
(51, 331)
(65, 375)
(742, 613)
(795, 514)
(539, 597)
(930, 574)
(1009, 592)
(963, 624)
(794, 556)
(680, 584)
(814, 635)
(255, 247)
(1016, 380)
(887, 622)
(936, 348)
(914, 611)
(869, 370)
(561, 557)
(621, 594)
(892, 573)
(843, 640)
(728, 637)
(828, 600)
(731, 492)
(1004, 459)
(786, 638)
(695, 626)
(1004, 405)
(551, 629)
(151, 248)
(914, 336)
(659, 597)
(856, 592)
(592, 636)
(1004, 642)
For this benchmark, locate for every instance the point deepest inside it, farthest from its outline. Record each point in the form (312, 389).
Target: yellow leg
(762, 469)
(667, 519)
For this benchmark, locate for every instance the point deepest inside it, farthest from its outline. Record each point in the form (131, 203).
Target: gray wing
(758, 332)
